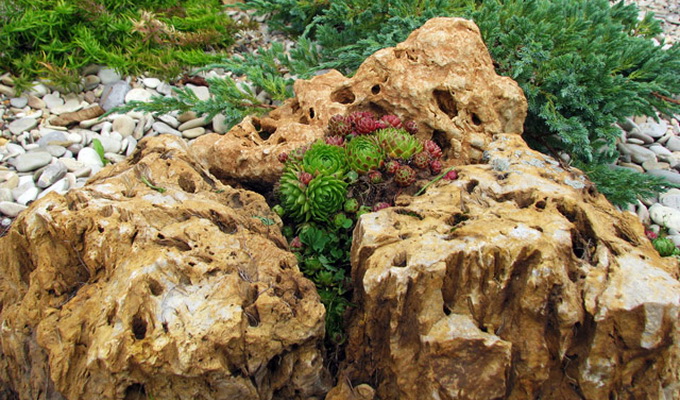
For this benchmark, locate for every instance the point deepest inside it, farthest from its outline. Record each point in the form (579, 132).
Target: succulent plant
(398, 143)
(436, 167)
(367, 125)
(664, 246)
(305, 178)
(335, 140)
(325, 159)
(392, 166)
(405, 176)
(325, 196)
(421, 160)
(351, 206)
(451, 175)
(364, 154)
(375, 176)
(391, 120)
(380, 206)
(282, 157)
(433, 148)
(338, 125)
(411, 127)
(317, 200)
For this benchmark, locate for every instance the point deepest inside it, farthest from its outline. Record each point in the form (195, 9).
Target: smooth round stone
(672, 177)
(170, 120)
(108, 75)
(6, 194)
(75, 148)
(193, 132)
(14, 149)
(202, 92)
(151, 83)
(627, 124)
(75, 137)
(653, 128)
(675, 239)
(32, 161)
(55, 138)
(648, 165)
(36, 102)
(11, 182)
(56, 151)
(637, 153)
(114, 94)
(193, 123)
(31, 146)
(39, 90)
(28, 196)
(7, 91)
(90, 157)
(633, 140)
(162, 128)
(186, 116)
(72, 104)
(138, 94)
(673, 143)
(60, 186)
(643, 213)
(660, 150)
(114, 157)
(22, 125)
(632, 166)
(91, 82)
(19, 102)
(219, 124)
(11, 209)
(106, 128)
(53, 100)
(71, 164)
(85, 172)
(671, 198)
(124, 125)
(110, 145)
(665, 216)
(52, 173)
(164, 88)
(636, 134)
(131, 145)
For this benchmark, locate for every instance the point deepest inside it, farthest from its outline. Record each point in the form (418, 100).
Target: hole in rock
(311, 113)
(186, 182)
(442, 141)
(343, 96)
(265, 134)
(136, 391)
(447, 310)
(541, 204)
(375, 89)
(456, 219)
(399, 260)
(155, 288)
(256, 124)
(471, 185)
(100, 229)
(475, 120)
(138, 327)
(111, 314)
(446, 102)
(409, 213)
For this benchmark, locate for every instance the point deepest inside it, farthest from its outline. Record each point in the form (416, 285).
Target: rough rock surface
(442, 77)
(515, 281)
(121, 291)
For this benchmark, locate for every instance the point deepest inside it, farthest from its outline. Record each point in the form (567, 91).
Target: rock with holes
(156, 281)
(514, 281)
(442, 77)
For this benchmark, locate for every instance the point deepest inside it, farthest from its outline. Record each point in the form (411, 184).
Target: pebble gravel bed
(40, 154)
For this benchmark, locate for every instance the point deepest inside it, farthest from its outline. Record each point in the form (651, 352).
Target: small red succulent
(392, 166)
(283, 157)
(375, 176)
(380, 206)
(305, 178)
(433, 148)
(391, 120)
(451, 175)
(335, 140)
(435, 167)
(405, 176)
(421, 160)
(411, 127)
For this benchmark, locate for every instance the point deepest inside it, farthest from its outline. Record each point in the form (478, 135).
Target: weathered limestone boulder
(183, 290)
(515, 281)
(442, 77)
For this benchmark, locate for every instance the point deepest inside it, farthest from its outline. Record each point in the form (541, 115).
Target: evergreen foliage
(54, 39)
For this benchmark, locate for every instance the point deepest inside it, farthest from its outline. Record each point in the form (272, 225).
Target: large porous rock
(156, 281)
(516, 281)
(442, 77)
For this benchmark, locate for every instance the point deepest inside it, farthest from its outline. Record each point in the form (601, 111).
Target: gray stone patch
(51, 174)
(575, 184)
(113, 94)
(500, 164)
(11, 209)
(22, 125)
(32, 161)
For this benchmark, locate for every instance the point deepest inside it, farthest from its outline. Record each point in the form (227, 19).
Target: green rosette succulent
(319, 200)
(364, 154)
(293, 195)
(325, 159)
(398, 143)
(326, 195)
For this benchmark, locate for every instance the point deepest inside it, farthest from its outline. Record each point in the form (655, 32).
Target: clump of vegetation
(55, 39)
(362, 165)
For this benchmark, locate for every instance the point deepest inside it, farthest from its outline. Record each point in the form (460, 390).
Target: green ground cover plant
(55, 39)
